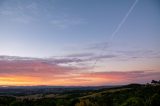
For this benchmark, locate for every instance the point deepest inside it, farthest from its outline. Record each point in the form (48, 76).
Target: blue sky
(77, 31)
(48, 28)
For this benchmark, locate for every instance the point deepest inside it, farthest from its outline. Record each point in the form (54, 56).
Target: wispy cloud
(81, 55)
(66, 22)
(107, 56)
(130, 53)
(97, 46)
(18, 11)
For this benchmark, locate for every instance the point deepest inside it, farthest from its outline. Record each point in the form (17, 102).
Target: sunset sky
(79, 42)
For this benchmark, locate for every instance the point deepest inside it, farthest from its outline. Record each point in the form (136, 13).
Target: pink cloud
(31, 67)
(37, 71)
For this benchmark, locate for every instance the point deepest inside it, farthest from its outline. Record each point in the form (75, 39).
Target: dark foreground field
(129, 95)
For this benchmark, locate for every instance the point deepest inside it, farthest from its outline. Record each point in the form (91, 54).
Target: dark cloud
(105, 56)
(97, 46)
(44, 60)
(79, 55)
(62, 60)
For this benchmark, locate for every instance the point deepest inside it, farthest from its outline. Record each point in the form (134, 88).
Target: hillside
(129, 95)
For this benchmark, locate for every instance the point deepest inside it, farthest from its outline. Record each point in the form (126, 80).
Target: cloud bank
(36, 71)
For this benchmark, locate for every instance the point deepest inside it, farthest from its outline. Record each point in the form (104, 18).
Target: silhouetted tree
(154, 82)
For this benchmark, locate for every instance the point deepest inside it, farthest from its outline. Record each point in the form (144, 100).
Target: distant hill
(30, 90)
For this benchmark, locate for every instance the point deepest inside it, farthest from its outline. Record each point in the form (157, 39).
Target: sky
(79, 42)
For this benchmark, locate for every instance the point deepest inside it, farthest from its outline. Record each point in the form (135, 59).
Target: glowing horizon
(20, 71)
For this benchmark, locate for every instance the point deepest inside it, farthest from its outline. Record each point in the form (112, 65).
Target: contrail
(116, 30)
(123, 20)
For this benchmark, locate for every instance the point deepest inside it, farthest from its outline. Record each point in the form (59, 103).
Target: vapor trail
(123, 20)
(116, 30)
